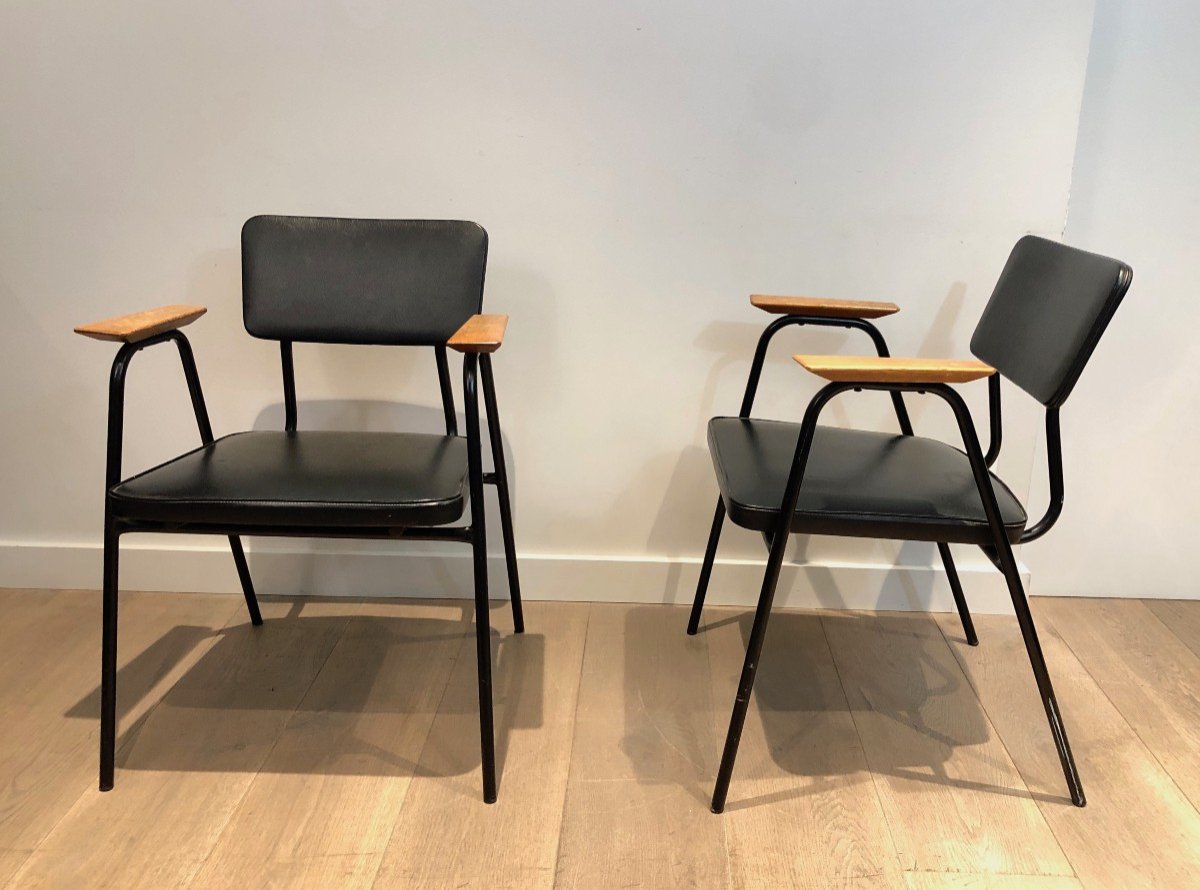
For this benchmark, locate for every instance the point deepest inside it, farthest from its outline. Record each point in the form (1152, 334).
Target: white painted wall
(1131, 427)
(641, 168)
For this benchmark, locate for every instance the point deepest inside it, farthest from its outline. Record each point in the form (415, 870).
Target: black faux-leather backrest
(384, 281)
(1046, 315)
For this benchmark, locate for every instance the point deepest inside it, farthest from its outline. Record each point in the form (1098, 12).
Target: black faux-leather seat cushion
(307, 478)
(857, 483)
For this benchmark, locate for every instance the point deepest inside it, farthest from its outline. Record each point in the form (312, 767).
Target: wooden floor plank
(49, 679)
(1182, 617)
(942, 881)
(644, 757)
(184, 770)
(1151, 676)
(1138, 829)
(954, 801)
(321, 809)
(338, 746)
(802, 809)
(446, 836)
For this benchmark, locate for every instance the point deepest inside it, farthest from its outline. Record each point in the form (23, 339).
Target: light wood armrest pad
(872, 369)
(479, 333)
(822, 307)
(140, 325)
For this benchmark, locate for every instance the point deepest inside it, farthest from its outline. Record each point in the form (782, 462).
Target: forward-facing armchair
(316, 280)
(1044, 319)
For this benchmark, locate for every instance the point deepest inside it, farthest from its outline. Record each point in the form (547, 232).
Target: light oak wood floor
(337, 746)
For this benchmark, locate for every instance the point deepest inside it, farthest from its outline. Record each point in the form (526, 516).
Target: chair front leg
(781, 534)
(483, 630)
(758, 633)
(108, 656)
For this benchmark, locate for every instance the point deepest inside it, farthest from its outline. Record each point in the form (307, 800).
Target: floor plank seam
(1000, 737)
(862, 748)
(463, 644)
(712, 707)
(11, 883)
(122, 746)
(1173, 631)
(562, 819)
(266, 756)
(1124, 719)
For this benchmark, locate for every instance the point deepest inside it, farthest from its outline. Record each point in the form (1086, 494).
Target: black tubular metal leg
(108, 658)
(501, 470)
(710, 554)
(749, 669)
(766, 597)
(483, 630)
(960, 601)
(243, 570)
(1008, 565)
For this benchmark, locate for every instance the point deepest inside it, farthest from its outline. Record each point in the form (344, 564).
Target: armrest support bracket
(764, 341)
(1000, 552)
(116, 396)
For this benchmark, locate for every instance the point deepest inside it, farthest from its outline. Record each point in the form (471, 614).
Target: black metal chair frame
(999, 552)
(475, 365)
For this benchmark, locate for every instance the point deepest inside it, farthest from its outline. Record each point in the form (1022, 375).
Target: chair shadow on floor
(356, 691)
(808, 714)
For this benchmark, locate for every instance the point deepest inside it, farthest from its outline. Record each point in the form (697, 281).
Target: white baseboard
(331, 570)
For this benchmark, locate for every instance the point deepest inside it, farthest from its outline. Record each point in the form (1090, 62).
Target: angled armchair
(317, 280)
(1044, 319)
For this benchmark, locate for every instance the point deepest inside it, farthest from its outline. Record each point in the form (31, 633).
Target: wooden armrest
(821, 307)
(479, 333)
(140, 325)
(872, 369)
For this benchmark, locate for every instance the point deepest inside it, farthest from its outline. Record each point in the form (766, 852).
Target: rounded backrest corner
(1051, 304)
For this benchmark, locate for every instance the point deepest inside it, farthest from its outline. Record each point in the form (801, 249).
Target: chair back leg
(501, 477)
(710, 554)
(1008, 565)
(108, 657)
(1001, 552)
(964, 614)
(243, 570)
